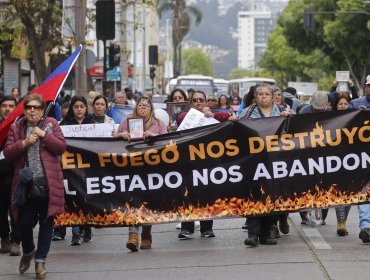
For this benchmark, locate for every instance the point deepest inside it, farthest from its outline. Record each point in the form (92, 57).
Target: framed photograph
(174, 109)
(342, 76)
(135, 128)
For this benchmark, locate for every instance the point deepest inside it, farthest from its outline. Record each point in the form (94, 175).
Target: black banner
(232, 169)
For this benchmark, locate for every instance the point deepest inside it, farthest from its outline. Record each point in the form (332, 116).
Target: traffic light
(308, 20)
(114, 56)
(152, 72)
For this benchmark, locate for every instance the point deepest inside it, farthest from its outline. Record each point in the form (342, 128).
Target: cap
(367, 80)
(319, 100)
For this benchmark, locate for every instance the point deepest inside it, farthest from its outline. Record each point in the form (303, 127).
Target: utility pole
(144, 46)
(123, 41)
(81, 75)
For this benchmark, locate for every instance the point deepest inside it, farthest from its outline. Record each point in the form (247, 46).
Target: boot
(252, 240)
(25, 263)
(5, 246)
(283, 223)
(133, 241)
(146, 241)
(274, 232)
(341, 228)
(267, 241)
(15, 250)
(40, 270)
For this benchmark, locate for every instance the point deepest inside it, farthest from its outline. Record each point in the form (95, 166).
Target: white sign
(88, 130)
(195, 118)
(342, 76)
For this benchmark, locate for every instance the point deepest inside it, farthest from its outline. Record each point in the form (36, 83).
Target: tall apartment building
(253, 30)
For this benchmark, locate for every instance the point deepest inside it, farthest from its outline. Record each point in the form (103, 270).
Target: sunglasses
(35, 107)
(211, 100)
(198, 100)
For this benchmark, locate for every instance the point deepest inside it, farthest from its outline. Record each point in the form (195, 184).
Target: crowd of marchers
(31, 179)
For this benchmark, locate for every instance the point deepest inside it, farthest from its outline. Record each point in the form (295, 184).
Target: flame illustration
(221, 208)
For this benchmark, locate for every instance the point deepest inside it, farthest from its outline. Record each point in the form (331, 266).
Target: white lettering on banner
(195, 118)
(330, 164)
(66, 188)
(217, 176)
(88, 130)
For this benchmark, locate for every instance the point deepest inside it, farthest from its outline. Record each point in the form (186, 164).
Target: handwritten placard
(195, 118)
(88, 130)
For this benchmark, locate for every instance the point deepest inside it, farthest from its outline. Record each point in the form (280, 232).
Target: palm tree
(181, 21)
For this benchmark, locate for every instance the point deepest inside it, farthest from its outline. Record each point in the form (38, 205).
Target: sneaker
(87, 235)
(245, 227)
(185, 234)
(75, 240)
(365, 235)
(208, 233)
(341, 228)
(15, 250)
(57, 236)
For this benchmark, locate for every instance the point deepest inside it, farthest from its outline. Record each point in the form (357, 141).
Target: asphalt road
(305, 253)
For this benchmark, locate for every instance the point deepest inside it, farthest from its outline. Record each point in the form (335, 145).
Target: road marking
(316, 239)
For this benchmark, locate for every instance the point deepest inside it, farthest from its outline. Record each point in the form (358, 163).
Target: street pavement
(305, 253)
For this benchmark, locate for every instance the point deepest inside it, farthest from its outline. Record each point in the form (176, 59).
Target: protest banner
(231, 169)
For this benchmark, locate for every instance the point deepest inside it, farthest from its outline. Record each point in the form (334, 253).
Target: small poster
(342, 76)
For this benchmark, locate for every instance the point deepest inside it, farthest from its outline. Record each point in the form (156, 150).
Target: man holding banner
(364, 209)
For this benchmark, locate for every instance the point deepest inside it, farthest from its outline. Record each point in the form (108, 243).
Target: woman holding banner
(341, 103)
(152, 127)
(36, 146)
(77, 114)
(198, 102)
(259, 227)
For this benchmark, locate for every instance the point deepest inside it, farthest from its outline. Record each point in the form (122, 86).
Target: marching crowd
(31, 185)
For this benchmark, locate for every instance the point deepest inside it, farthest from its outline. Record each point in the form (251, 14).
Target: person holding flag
(36, 146)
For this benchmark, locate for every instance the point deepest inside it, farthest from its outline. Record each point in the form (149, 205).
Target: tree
(333, 39)
(181, 22)
(40, 21)
(238, 73)
(197, 62)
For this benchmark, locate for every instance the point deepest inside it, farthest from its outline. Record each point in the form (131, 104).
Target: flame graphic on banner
(222, 208)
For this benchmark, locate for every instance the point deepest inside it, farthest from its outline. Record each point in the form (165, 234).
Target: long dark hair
(178, 90)
(341, 95)
(227, 101)
(248, 98)
(101, 97)
(76, 98)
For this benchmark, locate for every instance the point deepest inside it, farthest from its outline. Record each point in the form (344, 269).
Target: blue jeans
(31, 213)
(364, 215)
(342, 212)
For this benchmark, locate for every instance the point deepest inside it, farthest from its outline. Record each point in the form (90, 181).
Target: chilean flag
(49, 90)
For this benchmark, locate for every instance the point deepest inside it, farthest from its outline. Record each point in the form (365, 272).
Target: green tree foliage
(238, 73)
(181, 23)
(40, 21)
(197, 62)
(339, 42)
